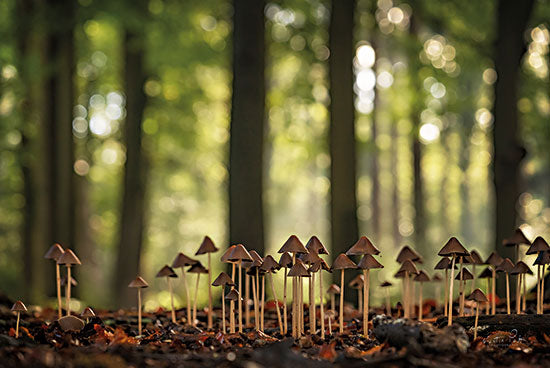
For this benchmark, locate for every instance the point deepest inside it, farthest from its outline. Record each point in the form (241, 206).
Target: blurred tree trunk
(375, 168)
(127, 265)
(467, 119)
(246, 224)
(512, 18)
(344, 227)
(394, 154)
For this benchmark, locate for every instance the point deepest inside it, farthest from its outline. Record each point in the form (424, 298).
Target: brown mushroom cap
(408, 266)
(239, 253)
(225, 257)
(138, 282)
(538, 245)
(197, 268)
(269, 264)
(182, 260)
(494, 259)
(543, 258)
(486, 274)
(223, 279)
(475, 258)
(309, 258)
(357, 282)
(464, 275)
(54, 252)
(315, 245)
(505, 266)
(333, 289)
(386, 284)
(406, 253)
(369, 262)
(87, 313)
(71, 323)
(285, 260)
(443, 264)
(422, 277)
(520, 268)
(233, 294)
(293, 245)
(298, 270)
(207, 246)
(453, 246)
(516, 239)
(166, 271)
(343, 262)
(400, 274)
(68, 258)
(361, 247)
(318, 265)
(19, 307)
(478, 296)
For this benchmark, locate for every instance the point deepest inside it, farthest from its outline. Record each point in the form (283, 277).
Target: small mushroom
(331, 314)
(357, 283)
(407, 254)
(332, 290)
(138, 283)
(462, 277)
(18, 307)
(517, 239)
(367, 263)
(342, 262)
(298, 271)
(520, 270)
(54, 253)
(539, 245)
(207, 247)
(421, 278)
(269, 266)
(453, 248)
(309, 259)
(386, 286)
(223, 280)
(182, 261)
(407, 269)
(68, 258)
(506, 266)
(543, 259)
(169, 273)
(197, 268)
(478, 297)
(286, 262)
(475, 260)
(87, 313)
(493, 261)
(319, 266)
(253, 270)
(240, 254)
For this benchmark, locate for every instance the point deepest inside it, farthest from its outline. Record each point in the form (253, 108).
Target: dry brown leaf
(328, 352)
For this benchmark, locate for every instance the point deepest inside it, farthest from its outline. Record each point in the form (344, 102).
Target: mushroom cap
(233, 294)
(343, 262)
(475, 258)
(197, 268)
(256, 260)
(255, 256)
(478, 296)
(407, 253)
(63, 281)
(87, 313)
(207, 246)
(225, 257)
(361, 247)
(309, 258)
(269, 264)
(444, 264)
(222, 280)
(408, 266)
(543, 258)
(318, 265)
(357, 282)
(516, 239)
(166, 271)
(436, 278)
(386, 284)
(505, 266)
(453, 246)
(138, 282)
(487, 273)
(399, 274)
(293, 245)
(330, 314)
(285, 260)
(539, 245)
(239, 253)
(494, 259)
(298, 270)
(421, 277)
(464, 275)
(19, 307)
(369, 262)
(54, 252)
(71, 323)
(333, 289)
(520, 268)
(68, 258)
(315, 245)
(182, 260)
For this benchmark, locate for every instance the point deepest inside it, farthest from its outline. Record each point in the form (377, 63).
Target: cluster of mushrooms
(301, 262)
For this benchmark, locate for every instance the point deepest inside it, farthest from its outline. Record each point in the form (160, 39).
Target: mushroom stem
(232, 303)
(476, 320)
(473, 284)
(359, 299)
(68, 292)
(246, 299)
(507, 294)
(412, 293)
(301, 305)
(524, 299)
(487, 304)
(58, 285)
(518, 293)
(388, 303)
(209, 318)
(223, 309)
(240, 300)
(171, 300)
(263, 304)
(195, 299)
(450, 315)
(420, 309)
(461, 289)
(406, 295)
(366, 285)
(321, 307)
(256, 311)
(342, 301)
(493, 291)
(294, 301)
(446, 291)
(542, 290)
(285, 318)
(276, 303)
(187, 298)
(17, 326)
(139, 311)
(329, 325)
(312, 304)
(332, 302)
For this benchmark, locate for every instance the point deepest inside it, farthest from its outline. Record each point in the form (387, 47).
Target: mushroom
(68, 258)
(310, 258)
(506, 266)
(421, 277)
(543, 259)
(87, 313)
(474, 259)
(270, 266)
(445, 264)
(286, 262)
(386, 286)
(367, 263)
(222, 280)
(197, 268)
(169, 273)
(298, 271)
(225, 258)
(254, 272)
(294, 246)
(539, 245)
(493, 261)
(478, 297)
(319, 266)
(462, 277)
(207, 246)
(139, 283)
(54, 253)
(487, 273)
(232, 296)
(357, 283)
(407, 269)
(454, 249)
(520, 269)
(342, 262)
(182, 261)
(331, 313)
(18, 307)
(332, 291)
(516, 240)
(240, 254)
(407, 254)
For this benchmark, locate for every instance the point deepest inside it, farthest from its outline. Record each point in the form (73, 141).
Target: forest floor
(109, 340)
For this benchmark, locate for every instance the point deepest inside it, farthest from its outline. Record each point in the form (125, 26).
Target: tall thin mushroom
(479, 298)
(342, 263)
(332, 290)
(310, 258)
(223, 280)
(169, 273)
(518, 238)
(138, 283)
(493, 261)
(408, 269)
(207, 247)
(87, 313)
(463, 276)
(475, 259)
(182, 261)
(297, 271)
(445, 264)
(520, 269)
(253, 273)
(487, 273)
(421, 278)
(240, 254)
(18, 307)
(197, 268)
(225, 259)
(542, 260)
(506, 266)
(68, 259)
(232, 296)
(270, 266)
(452, 249)
(407, 254)
(539, 245)
(54, 253)
(319, 266)
(358, 283)
(367, 263)
(286, 262)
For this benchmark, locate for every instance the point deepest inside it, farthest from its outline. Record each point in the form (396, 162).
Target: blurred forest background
(131, 129)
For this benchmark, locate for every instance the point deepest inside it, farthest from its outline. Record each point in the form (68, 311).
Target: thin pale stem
(285, 318)
(139, 311)
(209, 318)
(68, 292)
(171, 300)
(195, 299)
(188, 298)
(321, 307)
(58, 284)
(276, 303)
(342, 302)
(450, 314)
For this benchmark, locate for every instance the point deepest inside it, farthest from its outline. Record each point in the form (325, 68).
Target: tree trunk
(375, 168)
(247, 126)
(395, 187)
(135, 169)
(512, 18)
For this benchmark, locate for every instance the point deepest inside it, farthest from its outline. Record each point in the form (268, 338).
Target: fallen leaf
(328, 352)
